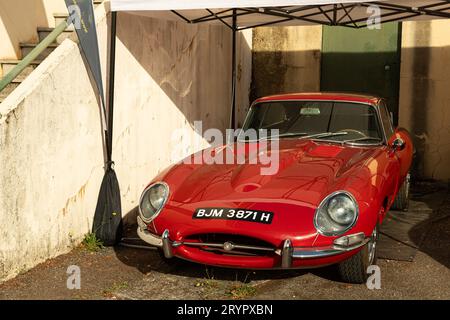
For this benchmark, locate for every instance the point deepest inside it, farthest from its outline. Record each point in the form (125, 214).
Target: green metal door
(363, 61)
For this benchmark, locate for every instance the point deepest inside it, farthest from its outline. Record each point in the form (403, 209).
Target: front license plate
(234, 214)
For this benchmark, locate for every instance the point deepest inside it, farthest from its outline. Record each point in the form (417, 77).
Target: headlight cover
(336, 214)
(153, 200)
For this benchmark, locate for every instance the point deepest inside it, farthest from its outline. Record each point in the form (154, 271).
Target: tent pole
(108, 224)
(233, 72)
(112, 69)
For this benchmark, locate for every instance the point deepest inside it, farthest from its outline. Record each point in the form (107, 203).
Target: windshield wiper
(363, 139)
(326, 135)
(303, 135)
(289, 134)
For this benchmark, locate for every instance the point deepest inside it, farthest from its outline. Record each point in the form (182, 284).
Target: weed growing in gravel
(109, 292)
(241, 291)
(91, 243)
(208, 284)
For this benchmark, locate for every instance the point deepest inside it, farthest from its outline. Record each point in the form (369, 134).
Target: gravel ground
(126, 273)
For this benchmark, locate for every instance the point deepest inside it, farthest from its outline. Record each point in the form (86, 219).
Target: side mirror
(398, 144)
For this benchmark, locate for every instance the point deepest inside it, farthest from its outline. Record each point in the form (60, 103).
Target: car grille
(230, 244)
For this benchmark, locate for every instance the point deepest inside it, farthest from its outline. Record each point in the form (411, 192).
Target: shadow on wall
(285, 72)
(276, 72)
(424, 95)
(419, 86)
(199, 88)
(285, 59)
(170, 74)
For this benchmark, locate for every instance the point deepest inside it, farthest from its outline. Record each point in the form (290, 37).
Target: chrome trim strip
(314, 253)
(309, 254)
(377, 107)
(222, 246)
(312, 100)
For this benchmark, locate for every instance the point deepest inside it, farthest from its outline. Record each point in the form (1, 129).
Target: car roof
(327, 96)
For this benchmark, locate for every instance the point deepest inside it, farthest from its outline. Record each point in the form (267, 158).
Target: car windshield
(321, 120)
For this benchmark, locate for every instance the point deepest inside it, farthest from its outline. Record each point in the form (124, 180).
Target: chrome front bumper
(287, 253)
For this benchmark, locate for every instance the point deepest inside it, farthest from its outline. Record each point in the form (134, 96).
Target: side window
(386, 120)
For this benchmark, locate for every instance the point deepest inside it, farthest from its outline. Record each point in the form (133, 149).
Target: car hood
(307, 172)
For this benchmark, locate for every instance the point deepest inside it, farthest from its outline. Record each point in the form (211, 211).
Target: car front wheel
(354, 270)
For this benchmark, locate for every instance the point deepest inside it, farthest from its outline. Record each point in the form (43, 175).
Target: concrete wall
(168, 75)
(287, 59)
(244, 75)
(182, 74)
(425, 94)
(19, 19)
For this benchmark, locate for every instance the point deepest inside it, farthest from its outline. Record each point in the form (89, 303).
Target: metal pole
(112, 69)
(233, 72)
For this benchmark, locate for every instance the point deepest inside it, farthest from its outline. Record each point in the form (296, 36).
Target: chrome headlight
(153, 200)
(336, 214)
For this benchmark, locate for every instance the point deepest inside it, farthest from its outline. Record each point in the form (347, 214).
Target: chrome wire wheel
(372, 246)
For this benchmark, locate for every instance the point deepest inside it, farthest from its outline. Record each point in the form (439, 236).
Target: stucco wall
(425, 94)
(51, 158)
(19, 19)
(286, 59)
(168, 75)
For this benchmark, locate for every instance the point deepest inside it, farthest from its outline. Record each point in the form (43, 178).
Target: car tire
(401, 202)
(354, 270)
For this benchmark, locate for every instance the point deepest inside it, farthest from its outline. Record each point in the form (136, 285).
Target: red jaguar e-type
(341, 167)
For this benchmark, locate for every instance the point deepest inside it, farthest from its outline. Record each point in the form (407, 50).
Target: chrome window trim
(386, 139)
(160, 209)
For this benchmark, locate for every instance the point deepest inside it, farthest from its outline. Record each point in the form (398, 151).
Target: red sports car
(341, 167)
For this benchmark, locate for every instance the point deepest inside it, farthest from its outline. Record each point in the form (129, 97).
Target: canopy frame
(338, 15)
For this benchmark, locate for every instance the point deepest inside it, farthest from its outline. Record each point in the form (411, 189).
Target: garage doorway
(364, 61)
